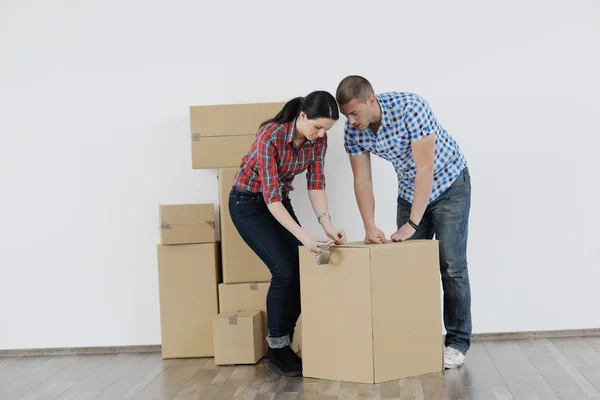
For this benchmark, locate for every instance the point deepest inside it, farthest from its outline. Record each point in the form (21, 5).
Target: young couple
(434, 195)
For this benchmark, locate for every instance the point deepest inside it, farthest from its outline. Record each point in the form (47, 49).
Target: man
(434, 188)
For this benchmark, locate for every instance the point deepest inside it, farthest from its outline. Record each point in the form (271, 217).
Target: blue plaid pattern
(407, 118)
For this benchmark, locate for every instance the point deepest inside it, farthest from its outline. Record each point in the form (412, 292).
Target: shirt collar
(384, 110)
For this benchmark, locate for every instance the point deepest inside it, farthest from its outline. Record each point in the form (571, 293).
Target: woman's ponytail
(318, 104)
(290, 110)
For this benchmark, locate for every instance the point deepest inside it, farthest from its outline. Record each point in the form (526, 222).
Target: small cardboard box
(233, 297)
(187, 223)
(219, 152)
(187, 282)
(240, 263)
(238, 337)
(231, 119)
(386, 314)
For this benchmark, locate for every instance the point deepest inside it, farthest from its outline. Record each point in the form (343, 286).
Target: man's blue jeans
(447, 217)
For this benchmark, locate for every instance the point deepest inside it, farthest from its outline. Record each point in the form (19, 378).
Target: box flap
(240, 313)
(361, 244)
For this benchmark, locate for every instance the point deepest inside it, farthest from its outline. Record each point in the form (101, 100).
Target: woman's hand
(335, 234)
(312, 242)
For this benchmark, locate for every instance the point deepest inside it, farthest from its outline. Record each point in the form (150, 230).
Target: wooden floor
(560, 368)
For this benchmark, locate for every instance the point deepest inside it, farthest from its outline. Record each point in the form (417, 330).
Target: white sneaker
(453, 358)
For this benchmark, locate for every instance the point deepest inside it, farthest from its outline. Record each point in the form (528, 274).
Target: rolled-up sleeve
(315, 174)
(420, 121)
(267, 167)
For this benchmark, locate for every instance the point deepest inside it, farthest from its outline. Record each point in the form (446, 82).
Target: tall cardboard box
(253, 296)
(381, 304)
(240, 263)
(222, 134)
(238, 337)
(187, 281)
(187, 223)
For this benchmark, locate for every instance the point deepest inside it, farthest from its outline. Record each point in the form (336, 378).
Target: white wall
(94, 103)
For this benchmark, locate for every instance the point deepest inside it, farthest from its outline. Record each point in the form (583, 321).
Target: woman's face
(314, 128)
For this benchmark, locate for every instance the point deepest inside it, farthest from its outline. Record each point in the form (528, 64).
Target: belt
(235, 189)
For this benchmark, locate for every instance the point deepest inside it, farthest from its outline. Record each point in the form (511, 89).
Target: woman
(292, 142)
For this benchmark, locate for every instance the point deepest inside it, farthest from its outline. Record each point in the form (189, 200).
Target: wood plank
(206, 383)
(349, 390)
(131, 383)
(53, 387)
(19, 367)
(411, 389)
(443, 385)
(522, 378)
(29, 380)
(317, 388)
(594, 341)
(561, 375)
(583, 356)
(481, 377)
(95, 383)
(169, 382)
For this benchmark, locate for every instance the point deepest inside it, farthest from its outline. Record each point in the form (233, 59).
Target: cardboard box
(233, 297)
(187, 280)
(187, 223)
(386, 314)
(231, 119)
(240, 263)
(238, 337)
(219, 152)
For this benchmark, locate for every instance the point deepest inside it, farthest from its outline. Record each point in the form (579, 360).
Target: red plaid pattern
(273, 162)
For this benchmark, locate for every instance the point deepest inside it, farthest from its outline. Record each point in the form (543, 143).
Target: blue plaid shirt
(406, 118)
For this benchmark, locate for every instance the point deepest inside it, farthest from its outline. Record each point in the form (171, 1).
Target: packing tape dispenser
(323, 257)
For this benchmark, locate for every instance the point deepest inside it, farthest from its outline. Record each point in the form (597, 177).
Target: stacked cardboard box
(188, 264)
(236, 311)
(222, 134)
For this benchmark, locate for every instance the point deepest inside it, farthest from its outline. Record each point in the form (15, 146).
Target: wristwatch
(323, 214)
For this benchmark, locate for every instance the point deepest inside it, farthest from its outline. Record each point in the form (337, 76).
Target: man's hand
(404, 233)
(375, 236)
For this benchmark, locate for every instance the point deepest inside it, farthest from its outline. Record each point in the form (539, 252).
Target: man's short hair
(353, 87)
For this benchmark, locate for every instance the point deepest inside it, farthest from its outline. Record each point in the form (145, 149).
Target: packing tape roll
(323, 257)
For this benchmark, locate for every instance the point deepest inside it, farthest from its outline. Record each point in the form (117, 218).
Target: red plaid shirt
(273, 162)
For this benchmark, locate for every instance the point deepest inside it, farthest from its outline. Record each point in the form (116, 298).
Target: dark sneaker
(284, 361)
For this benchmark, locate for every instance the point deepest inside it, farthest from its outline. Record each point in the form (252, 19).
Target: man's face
(359, 114)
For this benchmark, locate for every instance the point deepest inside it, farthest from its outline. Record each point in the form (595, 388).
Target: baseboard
(65, 351)
(536, 334)
(157, 348)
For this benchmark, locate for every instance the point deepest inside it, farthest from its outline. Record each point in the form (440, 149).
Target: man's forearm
(363, 191)
(422, 193)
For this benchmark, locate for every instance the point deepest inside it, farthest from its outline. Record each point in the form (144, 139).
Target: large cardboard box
(240, 263)
(187, 281)
(379, 304)
(219, 152)
(187, 223)
(231, 119)
(238, 337)
(253, 296)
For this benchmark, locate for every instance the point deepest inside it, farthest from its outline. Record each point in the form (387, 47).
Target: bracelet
(323, 214)
(411, 223)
